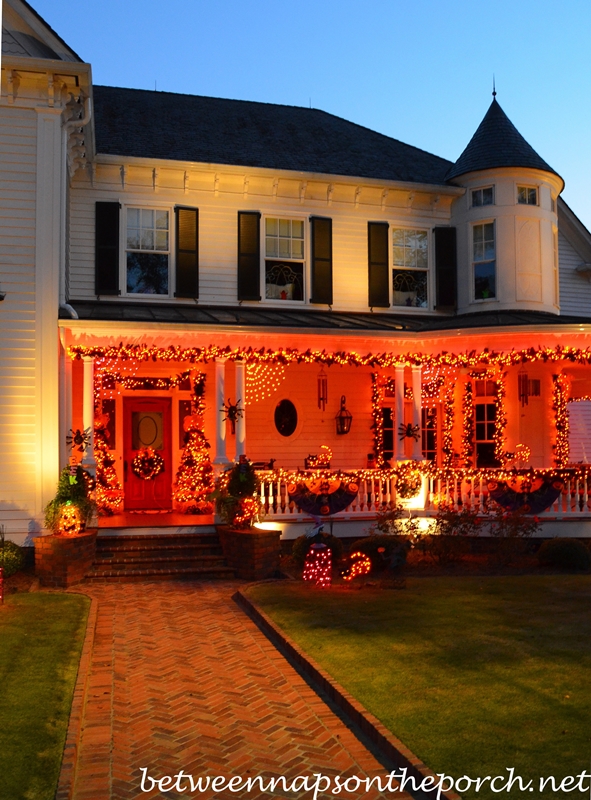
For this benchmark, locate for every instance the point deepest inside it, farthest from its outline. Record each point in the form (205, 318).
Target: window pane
(478, 233)
(284, 248)
(477, 197)
(133, 238)
(147, 273)
(284, 227)
(297, 248)
(410, 288)
(162, 219)
(521, 194)
(421, 242)
(133, 217)
(297, 228)
(532, 197)
(489, 231)
(480, 409)
(484, 280)
(161, 240)
(271, 247)
(271, 227)
(398, 256)
(480, 431)
(478, 251)
(147, 218)
(487, 196)
(398, 237)
(147, 240)
(284, 281)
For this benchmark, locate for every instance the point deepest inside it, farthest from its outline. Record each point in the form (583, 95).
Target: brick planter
(253, 554)
(62, 561)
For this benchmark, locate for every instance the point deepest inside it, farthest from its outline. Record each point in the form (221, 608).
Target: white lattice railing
(471, 492)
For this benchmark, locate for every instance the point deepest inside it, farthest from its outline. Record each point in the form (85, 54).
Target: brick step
(219, 572)
(147, 542)
(200, 560)
(188, 551)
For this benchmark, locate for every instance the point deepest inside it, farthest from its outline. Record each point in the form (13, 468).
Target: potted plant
(253, 552)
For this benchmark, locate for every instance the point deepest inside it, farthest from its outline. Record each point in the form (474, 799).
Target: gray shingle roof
(163, 125)
(497, 143)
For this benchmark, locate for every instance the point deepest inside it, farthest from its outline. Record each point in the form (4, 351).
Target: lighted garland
(378, 422)
(147, 464)
(447, 447)
(467, 425)
(194, 355)
(195, 478)
(560, 407)
(108, 491)
(147, 383)
(262, 380)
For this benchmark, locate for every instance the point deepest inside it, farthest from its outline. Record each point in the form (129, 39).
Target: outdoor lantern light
(343, 418)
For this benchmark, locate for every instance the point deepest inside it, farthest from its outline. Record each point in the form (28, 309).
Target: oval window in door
(286, 417)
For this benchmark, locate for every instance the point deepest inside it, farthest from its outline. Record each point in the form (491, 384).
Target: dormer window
(483, 197)
(527, 195)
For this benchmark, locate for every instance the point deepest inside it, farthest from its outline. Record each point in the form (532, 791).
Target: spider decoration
(78, 439)
(409, 431)
(233, 412)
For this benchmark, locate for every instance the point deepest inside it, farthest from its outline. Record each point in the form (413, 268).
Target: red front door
(147, 425)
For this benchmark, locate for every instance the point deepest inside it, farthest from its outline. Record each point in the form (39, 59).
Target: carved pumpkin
(70, 522)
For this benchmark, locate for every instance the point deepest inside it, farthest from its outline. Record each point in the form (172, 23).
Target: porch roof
(307, 319)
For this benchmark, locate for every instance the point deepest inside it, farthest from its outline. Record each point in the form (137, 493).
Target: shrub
(12, 558)
(237, 502)
(565, 554)
(395, 521)
(511, 529)
(446, 541)
(385, 551)
(303, 543)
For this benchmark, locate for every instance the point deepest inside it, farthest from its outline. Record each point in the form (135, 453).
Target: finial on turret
(494, 90)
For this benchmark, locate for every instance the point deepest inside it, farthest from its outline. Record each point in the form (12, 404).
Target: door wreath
(147, 464)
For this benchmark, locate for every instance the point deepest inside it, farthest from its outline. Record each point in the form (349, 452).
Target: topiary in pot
(565, 554)
(237, 500)
(72, 508)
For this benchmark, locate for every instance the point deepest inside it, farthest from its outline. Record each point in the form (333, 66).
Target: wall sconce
(343, 418)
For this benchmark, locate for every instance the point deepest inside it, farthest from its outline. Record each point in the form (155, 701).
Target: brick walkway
(181, 679)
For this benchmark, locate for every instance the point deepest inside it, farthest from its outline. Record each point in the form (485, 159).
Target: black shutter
(249, 255)
(378, 271)
(445, 268)
(106, 253)
(187, 252)
(321, 228)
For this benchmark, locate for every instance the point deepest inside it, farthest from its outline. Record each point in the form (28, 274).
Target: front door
(147, 425)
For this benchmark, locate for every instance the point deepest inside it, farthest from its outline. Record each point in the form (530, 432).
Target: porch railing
(471, 492)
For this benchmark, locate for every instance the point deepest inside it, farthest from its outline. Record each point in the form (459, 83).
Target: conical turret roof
(497, 143)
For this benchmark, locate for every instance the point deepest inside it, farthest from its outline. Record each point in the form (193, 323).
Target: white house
(255, 271)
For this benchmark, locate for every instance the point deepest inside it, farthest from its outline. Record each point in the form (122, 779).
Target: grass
(473, 674)
(41, 638)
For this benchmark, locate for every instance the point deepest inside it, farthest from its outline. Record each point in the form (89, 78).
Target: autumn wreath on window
(147, 464)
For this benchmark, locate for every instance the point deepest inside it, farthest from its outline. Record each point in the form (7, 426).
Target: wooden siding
(575, 289)
(18, 432)
(218, 228)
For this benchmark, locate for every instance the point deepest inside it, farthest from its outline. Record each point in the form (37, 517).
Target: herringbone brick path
(181, 679)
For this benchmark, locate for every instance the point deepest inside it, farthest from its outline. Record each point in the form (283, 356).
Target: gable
(26, 35)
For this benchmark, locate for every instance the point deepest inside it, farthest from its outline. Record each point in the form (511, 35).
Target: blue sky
(419, 71)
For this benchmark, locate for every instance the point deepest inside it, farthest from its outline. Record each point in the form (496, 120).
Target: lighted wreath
(408, 485)
(147, 464)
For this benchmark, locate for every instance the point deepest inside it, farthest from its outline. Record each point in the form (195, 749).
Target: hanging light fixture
(343, 418)
(322, 388)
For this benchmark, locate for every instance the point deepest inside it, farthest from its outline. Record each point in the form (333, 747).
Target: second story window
(410, 267)
(483, 197)
(484, 261)
(147, 251)
(527, 195)
(284, 259)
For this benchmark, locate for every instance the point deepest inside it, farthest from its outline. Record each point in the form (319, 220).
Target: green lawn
(473, 674)
(41, 638)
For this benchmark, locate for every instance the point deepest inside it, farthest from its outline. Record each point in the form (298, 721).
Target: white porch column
(220, 424)
(399, 393)
(88, 461)
(417, 450)
(65, 400)
(240, 367)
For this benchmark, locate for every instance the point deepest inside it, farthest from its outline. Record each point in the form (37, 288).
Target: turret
(506, 222)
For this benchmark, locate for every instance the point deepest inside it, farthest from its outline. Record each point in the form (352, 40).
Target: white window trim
(305, 218)
(429, 269)
(480, 189)
(494, 299)
(125, 206)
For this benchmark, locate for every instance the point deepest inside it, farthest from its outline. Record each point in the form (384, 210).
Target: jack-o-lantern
(70, 522)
